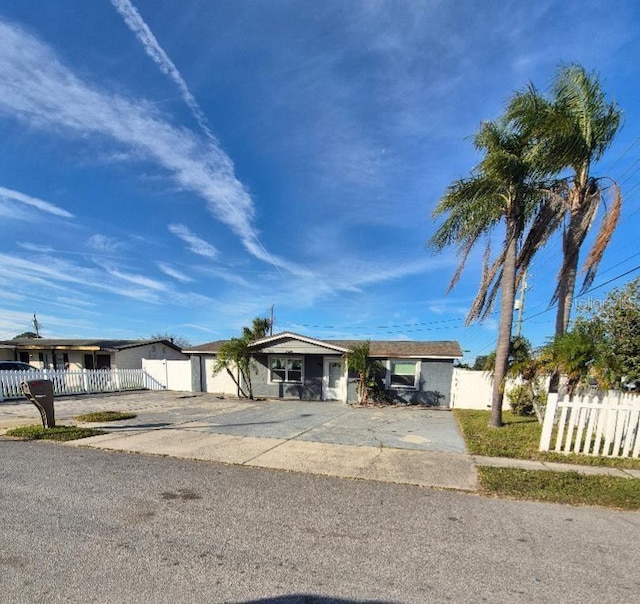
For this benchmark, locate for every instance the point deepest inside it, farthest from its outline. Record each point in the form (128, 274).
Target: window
(404, 374)
(285, 369)
(103, 361)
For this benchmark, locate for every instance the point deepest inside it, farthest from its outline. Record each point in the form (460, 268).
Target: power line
(591, 289)
(633, 144)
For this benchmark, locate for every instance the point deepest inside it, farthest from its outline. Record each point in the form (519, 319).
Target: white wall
(179, 375)
(173, 374)
(472, 390)
(131, 358)
(220, 383)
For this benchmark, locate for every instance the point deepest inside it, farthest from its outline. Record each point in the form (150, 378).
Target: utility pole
(36, 325)
(519, 306)
(271, 322)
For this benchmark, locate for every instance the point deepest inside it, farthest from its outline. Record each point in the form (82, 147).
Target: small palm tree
(573, 355)
(237, 353)
(368, 370)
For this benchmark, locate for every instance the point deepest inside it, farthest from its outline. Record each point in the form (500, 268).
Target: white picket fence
(606, 424)
(83, 381)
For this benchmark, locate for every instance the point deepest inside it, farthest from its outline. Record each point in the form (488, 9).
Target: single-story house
(44, 353)
(290, 365)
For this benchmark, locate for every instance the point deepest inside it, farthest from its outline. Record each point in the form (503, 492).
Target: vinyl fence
(79, 382)
(172, 374)
(606, 424)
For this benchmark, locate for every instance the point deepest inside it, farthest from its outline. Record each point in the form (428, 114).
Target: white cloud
(36, 247)
(32, 277)
(172, 272)
(102, 243)
(34, 202)
(35, 87)
(137, 279)
(196, 245)
(137, 25)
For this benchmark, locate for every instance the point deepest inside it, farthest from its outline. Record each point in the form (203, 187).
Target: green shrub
(521, 399)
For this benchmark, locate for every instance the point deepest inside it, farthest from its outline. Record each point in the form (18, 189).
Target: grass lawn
(59, 433)
(104, 416)
(561, 487)
(519, 438)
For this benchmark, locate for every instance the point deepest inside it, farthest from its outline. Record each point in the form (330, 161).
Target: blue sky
(182, 166)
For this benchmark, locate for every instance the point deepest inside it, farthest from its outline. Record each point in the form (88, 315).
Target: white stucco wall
(220, 383)
(131, 358)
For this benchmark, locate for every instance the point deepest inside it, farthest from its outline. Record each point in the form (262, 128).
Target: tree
(27, 335)
(504, 189)
(572, 354)
(236, 353)
(619, 320)
(368, 370)
(603, 344)
(480, 364)
(572, 130)
(179, 341)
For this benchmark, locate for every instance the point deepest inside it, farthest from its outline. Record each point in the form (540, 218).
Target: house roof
(209, 347)
(405, 348)
(377, 348)
(79, 344)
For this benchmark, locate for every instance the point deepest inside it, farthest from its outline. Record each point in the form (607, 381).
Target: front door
(333, 379)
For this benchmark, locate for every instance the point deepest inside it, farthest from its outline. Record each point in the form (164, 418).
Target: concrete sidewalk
(423, 468)
(551, 466)
(402, 445)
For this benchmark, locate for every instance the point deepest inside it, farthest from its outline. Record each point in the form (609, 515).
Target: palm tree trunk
(567, 279)
(507, 299)
(236, 381)
(572, 240)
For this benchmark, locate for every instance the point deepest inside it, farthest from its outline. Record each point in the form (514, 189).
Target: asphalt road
(84, 525)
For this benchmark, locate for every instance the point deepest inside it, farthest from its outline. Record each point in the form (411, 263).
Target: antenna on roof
(36, 325)
(271, 322)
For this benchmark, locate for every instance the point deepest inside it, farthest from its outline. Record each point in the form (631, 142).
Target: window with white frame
(286, 369)
(403, 373)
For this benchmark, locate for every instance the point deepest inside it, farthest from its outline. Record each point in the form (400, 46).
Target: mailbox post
(40, 393)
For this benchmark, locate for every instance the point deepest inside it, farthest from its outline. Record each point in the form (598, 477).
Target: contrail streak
(137, 25)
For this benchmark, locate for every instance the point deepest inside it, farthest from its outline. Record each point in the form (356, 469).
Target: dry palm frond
(490, 283)
(463, 260)
(608, 226)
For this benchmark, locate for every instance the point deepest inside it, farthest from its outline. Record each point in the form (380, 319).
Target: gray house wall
(311, 389)
(434, 387)
(434, 383)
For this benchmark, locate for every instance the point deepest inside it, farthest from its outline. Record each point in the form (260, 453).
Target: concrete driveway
(397, 444)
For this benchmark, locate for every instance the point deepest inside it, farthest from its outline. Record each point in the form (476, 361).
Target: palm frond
(490, 278)
(607, 227)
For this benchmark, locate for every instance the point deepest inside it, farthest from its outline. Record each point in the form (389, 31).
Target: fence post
(85, 383)
(547, 425)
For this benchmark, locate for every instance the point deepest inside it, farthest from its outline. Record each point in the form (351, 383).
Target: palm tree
(571, 131)
(503, 190)
(574, 354)
(368, 370)
(237, 353)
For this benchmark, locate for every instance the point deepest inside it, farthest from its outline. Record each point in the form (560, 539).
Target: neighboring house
(46, 353)
(290, 365)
